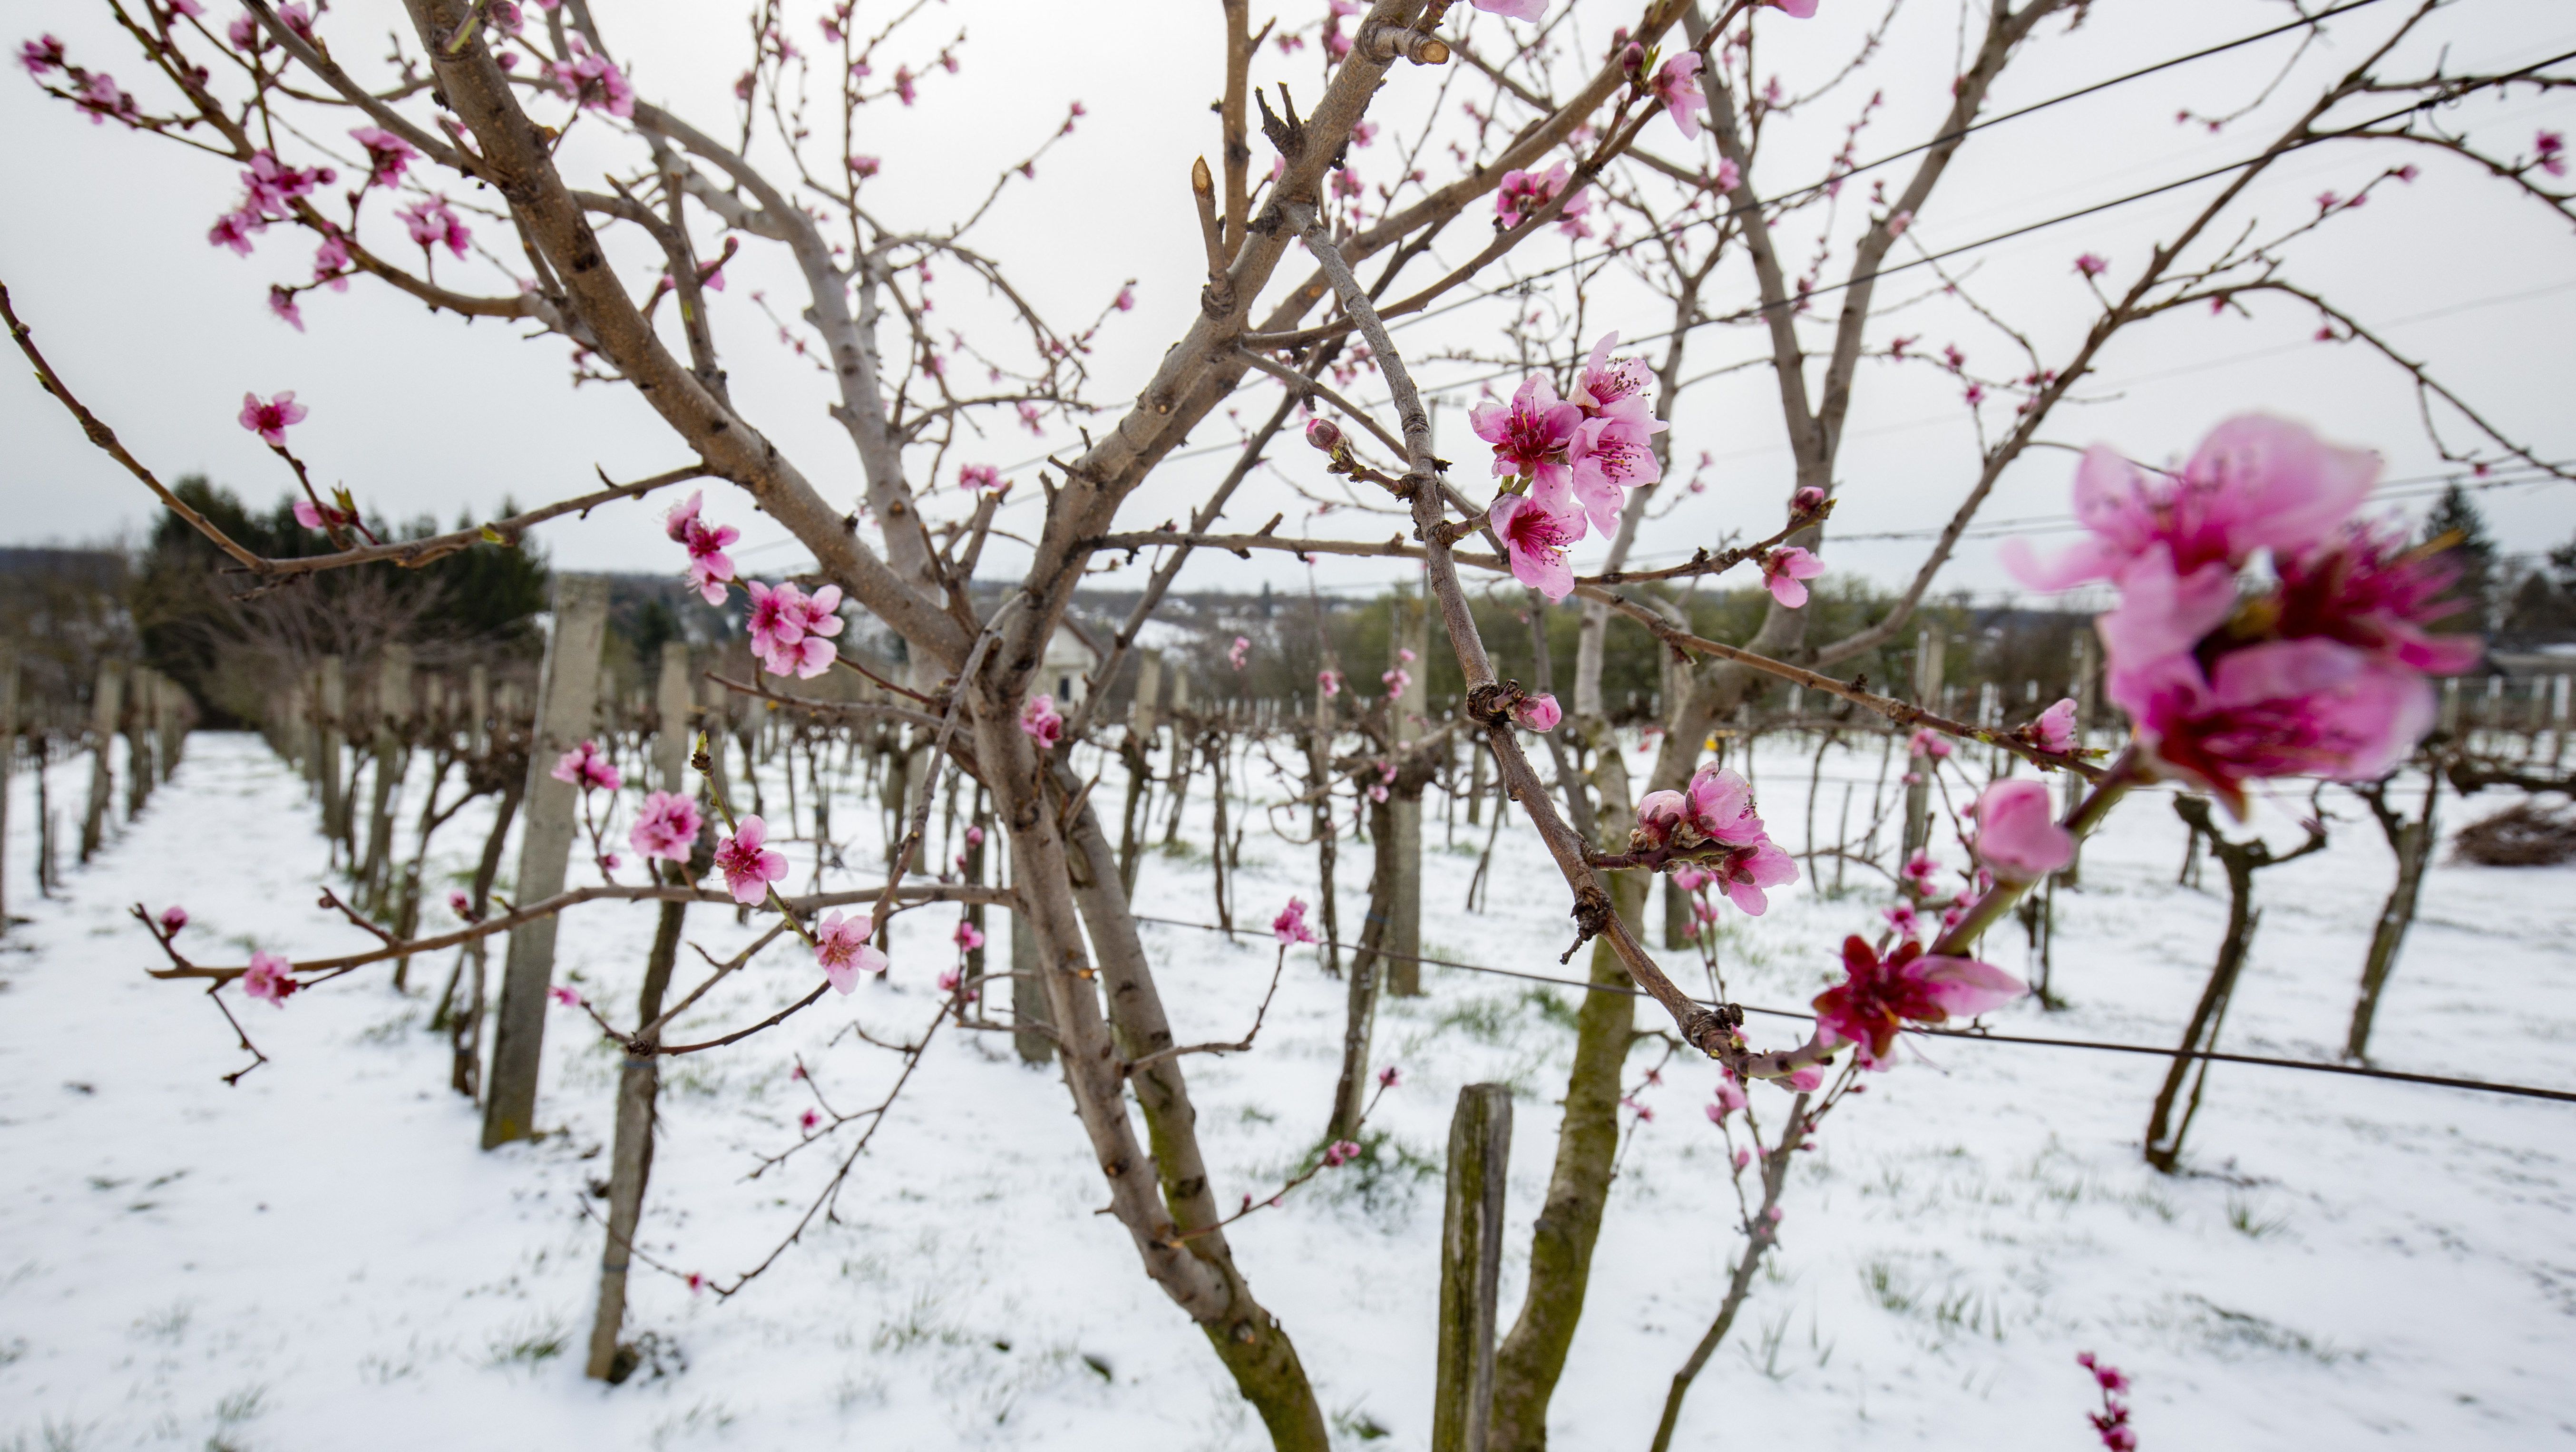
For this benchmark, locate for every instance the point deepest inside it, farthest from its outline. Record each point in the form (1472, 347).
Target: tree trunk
(631, 1156)
(2413, 843)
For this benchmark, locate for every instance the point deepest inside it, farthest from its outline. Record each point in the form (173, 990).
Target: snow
(321, 1257)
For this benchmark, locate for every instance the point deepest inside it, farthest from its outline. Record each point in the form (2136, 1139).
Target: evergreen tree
(2471, 549)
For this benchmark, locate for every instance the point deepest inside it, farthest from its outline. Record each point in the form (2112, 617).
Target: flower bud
(1325, 434)
(1632, 58)
(1807, 500)
(1537, 713)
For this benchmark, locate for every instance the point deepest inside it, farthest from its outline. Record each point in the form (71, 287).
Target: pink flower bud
(1537, 713)
(173, 918)
(1325, 434)
(1807, 500)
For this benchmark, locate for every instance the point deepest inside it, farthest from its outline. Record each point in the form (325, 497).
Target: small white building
(1071, 657)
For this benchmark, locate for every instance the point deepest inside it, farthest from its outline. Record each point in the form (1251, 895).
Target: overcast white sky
(103, 247)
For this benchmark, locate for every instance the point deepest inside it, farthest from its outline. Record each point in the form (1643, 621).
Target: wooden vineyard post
(1403, 942)
(107, 706)
(1471, 1266)
(1928, 648)
(564, 701)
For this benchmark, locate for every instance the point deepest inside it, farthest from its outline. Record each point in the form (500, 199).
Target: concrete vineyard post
(564, 701)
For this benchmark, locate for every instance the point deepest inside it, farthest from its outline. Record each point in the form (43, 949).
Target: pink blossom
(1377, 792)
(864, 167)
(41, 57)
(281, 301)
(2282, 708)
(1238, 652)
(2255, 483)
(1611, 456)
(1341, 1151)
(974, 836)
(903, 84)
(2368, 588)
(1530, 435)
(1676, 88)
(269, 420)
(593, 80)
(103, 98)
(968, 937)
(1388, 1077)
(1903, 920)
(1689, 877)
(173, 918)
(2092, 264)
(841, 946)
(1537, 713)
(430, 223)
(2550, 146)
(1523, 194)
(1531, 10)
(1928, 742)
(233, 230)
(268, 979)
(461, 905)
(1876, 997)
(1039, 721)
(1918, 872)
(2017, 835)
(245, 33)
(563, 997)
(1897, 224)
(792, 633)
(1616, 388)
(749, 868)
(1784, 570)
(1748, 870)
(1396, 681)
(1290, 926)
(979, 476)
(1800, 9)
(1329, 682)
(1721, 807)
(709, 566)
(1326, 435)
(666, 828)
(1807, 500)
(2055, 728)
(585, 768)
(270, 187)
(331, 262)
(806, 1121)
(1536, 537)
(1730, 1096)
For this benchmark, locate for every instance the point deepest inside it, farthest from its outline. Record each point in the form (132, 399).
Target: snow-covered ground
(321, 1258)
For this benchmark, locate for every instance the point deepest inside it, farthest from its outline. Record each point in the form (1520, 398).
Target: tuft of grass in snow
(2223, 1328)
(169, 1324)
(534, 1346)
(1358, 1425)
(2242, 1216)
(51, 1436)
(710, 1416)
